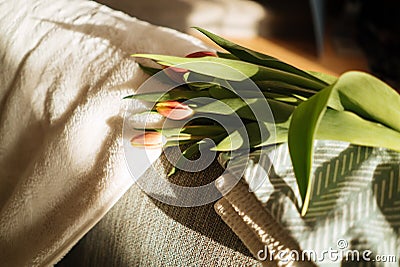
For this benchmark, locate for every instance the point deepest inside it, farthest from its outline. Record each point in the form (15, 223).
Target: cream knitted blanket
(65, 67)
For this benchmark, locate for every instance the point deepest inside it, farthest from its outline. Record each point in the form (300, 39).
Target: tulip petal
(148, 140)
(174, 110)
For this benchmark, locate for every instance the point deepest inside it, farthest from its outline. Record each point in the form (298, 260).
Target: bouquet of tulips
(355, 107)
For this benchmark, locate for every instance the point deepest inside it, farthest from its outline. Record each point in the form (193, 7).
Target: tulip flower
(355, 107)
(176, 74)
(201, 54)
(174, 110)
(148, 140)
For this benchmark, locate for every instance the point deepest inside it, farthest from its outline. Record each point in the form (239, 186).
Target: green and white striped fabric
(355, 204)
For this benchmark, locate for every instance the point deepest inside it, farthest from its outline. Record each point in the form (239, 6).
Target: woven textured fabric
(141, 231)
(256, 227)
(238, 225)
(354, 206)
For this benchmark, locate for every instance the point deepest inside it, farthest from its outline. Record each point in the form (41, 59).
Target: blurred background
(323, 35)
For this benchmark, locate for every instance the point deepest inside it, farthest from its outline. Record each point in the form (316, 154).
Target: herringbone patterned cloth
(355, 204)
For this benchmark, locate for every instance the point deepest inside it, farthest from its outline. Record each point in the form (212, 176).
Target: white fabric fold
(65, 67)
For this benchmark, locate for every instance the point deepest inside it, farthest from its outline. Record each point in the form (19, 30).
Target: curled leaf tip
(171, 172)
(127, 97)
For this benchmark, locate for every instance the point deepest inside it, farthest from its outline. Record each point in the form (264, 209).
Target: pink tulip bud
(148, 140)
(176, 74)
(174, 110)
(201, 54)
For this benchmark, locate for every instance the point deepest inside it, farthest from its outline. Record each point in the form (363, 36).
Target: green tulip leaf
(368, 97)
(357, 92)
(302, 129)
(259, 107)
(284, 88)
(328, 79)
(355, 107)
(187, 154)
(193, 130)
(225, 106)
(219, 92)
(174, 94)
(233, 70)
(253, 135)
(149, 70)
(193, 150)
(254, 57)
(348, 127)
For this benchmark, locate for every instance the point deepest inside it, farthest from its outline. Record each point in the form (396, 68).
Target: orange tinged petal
(148, 140)
(201, 54)
(176, 74)
(174, 110)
